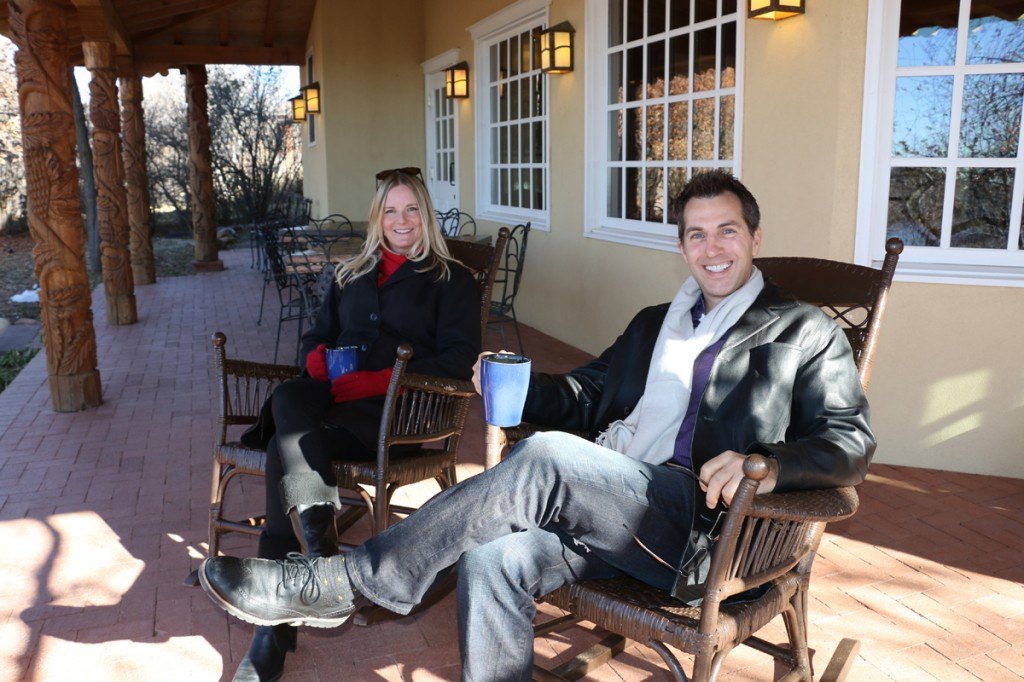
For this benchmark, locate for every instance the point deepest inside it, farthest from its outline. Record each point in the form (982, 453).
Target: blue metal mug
(504, 380)
(342, 361)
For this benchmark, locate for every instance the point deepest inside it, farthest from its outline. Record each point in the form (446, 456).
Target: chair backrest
(456, 223)
(242, 387)
(853, 295)
(483, 261)
(511, 271)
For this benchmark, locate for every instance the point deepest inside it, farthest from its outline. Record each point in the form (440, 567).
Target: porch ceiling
(156, 35)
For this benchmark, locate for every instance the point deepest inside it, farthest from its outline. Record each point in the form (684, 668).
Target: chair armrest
(260, 370)
(828, 505)
(432, 384)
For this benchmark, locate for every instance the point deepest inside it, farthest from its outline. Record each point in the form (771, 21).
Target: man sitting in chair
(730, 367)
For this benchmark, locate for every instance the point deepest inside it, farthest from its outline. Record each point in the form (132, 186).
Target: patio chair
(507, 283)
(483, 260)
(456, 223)
(766, 541)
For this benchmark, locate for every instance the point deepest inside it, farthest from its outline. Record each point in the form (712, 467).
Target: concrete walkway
(103, 513)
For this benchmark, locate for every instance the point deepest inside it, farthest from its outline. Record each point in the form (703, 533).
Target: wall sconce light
(556, 48)
(311, 93)
(298, 108)
(456, 80)
(775, 9)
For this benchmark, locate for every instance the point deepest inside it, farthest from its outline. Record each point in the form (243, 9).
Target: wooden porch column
(108, 168)
(200, 176)
(54, 212)
(133, 128)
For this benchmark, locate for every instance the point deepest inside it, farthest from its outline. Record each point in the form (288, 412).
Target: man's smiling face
(718, 246)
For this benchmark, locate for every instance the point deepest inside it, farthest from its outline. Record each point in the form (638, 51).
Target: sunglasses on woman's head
(411, 171)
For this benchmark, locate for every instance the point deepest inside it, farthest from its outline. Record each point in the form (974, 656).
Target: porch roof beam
(152, 58)
(99, 21)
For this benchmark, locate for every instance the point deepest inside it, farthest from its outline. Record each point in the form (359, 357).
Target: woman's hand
(316, 363)
(361, 384)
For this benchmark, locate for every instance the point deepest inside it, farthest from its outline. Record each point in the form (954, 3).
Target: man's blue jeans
(558, 510)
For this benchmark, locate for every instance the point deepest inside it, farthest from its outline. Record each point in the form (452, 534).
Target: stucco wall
(368, 58)
(947, 391)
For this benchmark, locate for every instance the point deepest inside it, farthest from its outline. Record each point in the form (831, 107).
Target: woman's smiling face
(401, 222)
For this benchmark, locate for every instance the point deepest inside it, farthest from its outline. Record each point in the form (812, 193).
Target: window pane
(514, 194)
(997, 32)
(655, 17)
(526, 194)
(495, 185)
(538, 189)
(728, 7)
(615, 192)
(503, 142)
(525, 44)
(678, 130)
(513, 100)
(656, 69)
(634, 134)
(728, 55)
(513, 56)
(634, 19)
(981, 208)
(726, 127)
(524, 97)
(538, 142)
(494, 63)
(503, 58)
(679, 13)
(494, 144)
(927, 32)
(655, 195)
(915, 205)
(503, 104)
(655, 132)
(704, 60)
(615, 78)
(513, 144)
(524, 143)
(679, 65)
(633, 193)
(538, 95)
(495, 103)
(704, 10)
(614, 22)
(704, 129)
(504, 187)
(615, 136)
(676, 181)
(991, 117)
(921, 116)
(635, 73)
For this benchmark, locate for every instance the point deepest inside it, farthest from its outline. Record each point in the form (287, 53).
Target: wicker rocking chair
(766, 541)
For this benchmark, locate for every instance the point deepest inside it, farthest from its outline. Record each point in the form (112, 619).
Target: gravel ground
(17, 270)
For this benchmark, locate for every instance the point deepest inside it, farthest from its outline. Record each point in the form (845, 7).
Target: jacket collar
(765, 310)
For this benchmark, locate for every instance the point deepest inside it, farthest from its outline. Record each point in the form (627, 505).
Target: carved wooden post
(54, 212)
(108, 167)
(200, 176)
(136, 180)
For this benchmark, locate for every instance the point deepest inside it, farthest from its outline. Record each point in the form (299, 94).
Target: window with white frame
(663, 96)
(942, 158)
(511, 112)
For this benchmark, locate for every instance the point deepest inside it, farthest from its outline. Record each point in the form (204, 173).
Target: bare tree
(12, 174)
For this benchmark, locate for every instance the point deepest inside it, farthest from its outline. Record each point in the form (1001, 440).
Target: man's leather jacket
(785, 384)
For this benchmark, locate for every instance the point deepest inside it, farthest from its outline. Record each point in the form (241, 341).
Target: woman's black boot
(317, 531)
(265, 660)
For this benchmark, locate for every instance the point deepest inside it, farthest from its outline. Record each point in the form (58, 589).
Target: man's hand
(721, 476)
(476, 369)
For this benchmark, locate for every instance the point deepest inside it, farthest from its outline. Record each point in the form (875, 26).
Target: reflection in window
(660, 130)
(990, 125)
(921, 116)
(915, 205)
(981, 208)
(996, 35)
(927, 32)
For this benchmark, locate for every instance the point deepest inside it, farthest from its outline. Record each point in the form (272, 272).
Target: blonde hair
(429, 249)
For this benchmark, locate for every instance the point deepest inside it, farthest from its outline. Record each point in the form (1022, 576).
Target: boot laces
(299, 568)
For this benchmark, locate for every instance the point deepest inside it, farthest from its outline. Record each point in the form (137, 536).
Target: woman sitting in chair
(402, 287)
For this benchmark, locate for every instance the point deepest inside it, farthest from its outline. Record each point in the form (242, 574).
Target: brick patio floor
(103, 513)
